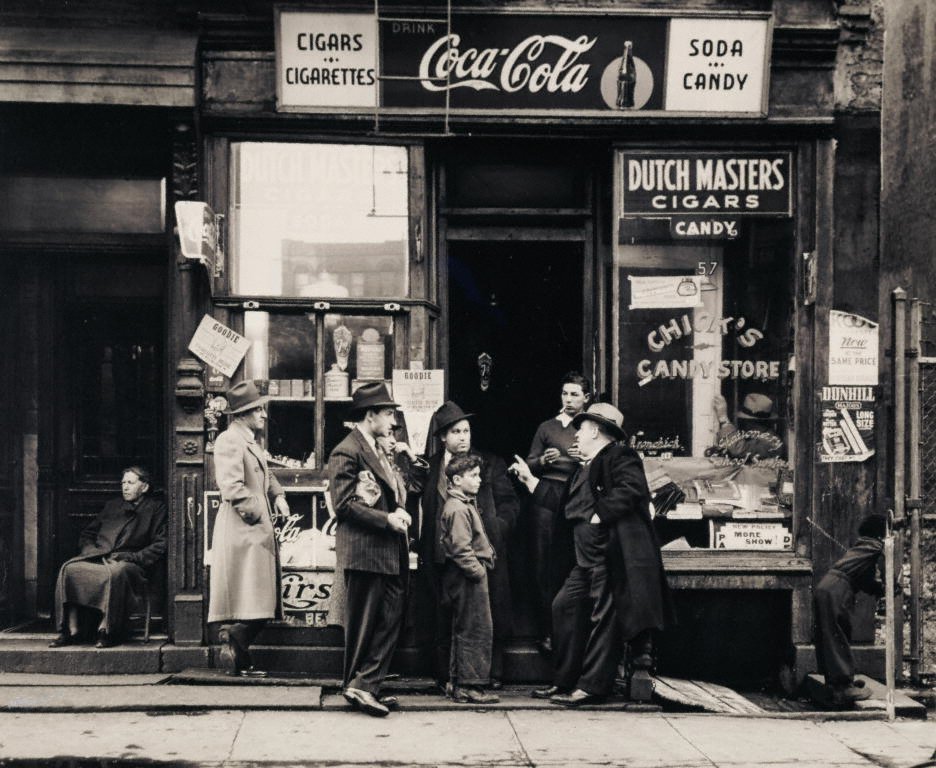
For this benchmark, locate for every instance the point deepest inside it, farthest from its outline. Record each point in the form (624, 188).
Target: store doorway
(521, 305)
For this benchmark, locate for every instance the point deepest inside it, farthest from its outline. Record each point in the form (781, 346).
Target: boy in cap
(834, 599)
(468, 558)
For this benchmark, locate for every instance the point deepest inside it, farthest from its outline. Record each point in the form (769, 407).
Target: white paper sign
(419, 393)
(716, 65)
(665, 292)
(216, 344)
(326, 60)
(752, 536)
(853, 349)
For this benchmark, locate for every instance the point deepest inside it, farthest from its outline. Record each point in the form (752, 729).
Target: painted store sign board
(710, 184)
(523, 63)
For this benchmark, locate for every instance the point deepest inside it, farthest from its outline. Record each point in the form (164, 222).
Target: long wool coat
(114, 587)
(642, 597)
(245, 568)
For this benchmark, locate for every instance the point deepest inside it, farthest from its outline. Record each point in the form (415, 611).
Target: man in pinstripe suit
(371, 547)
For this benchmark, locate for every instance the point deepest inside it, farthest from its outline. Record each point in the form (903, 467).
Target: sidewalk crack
(685, 739)
(227, 758)
(524, 754)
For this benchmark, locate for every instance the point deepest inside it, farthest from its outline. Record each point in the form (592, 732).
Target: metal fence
(928, 411)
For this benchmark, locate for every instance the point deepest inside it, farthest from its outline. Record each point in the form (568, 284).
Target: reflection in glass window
(319, 220)
(705, 344)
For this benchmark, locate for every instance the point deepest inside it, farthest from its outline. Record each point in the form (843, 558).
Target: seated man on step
(118, 552)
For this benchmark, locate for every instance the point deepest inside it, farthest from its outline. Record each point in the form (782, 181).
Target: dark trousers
(442, 631)
(472, 627)
(586, 635)
(833, 600)
(542, 563)
(373, 619)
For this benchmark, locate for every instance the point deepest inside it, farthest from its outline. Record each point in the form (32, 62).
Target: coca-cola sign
(521, 62)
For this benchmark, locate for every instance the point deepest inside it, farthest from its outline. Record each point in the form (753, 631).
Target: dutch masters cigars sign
(521, 62)
(662, 182)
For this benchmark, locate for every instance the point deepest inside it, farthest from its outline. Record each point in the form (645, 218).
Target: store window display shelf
(707, 569)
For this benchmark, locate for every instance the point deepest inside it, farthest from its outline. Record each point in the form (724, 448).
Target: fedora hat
(758, 407)
(370, 397)
(606, 415)
(244, 396)
(447, 414)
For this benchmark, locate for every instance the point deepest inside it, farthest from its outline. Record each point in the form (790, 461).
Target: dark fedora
(757, 407)
(446, 415)
(370, 397)
(243, 397)
(606, 415)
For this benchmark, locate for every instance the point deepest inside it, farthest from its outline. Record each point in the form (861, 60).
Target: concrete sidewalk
(461, 738)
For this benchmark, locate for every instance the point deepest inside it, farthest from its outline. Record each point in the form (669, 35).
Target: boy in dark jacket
(834, 598)
(468, 557)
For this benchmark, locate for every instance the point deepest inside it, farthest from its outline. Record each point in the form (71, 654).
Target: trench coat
(114, 587)
(245, 567)
(642, 598)
(499, 509)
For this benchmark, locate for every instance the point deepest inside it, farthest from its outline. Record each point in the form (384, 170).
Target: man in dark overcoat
(371, 547)
(617, 590)
(499, 508)
(118, 552)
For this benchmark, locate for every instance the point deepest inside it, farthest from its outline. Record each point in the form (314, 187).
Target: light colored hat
(606, 415)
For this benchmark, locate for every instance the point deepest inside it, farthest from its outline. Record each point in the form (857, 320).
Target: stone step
(30, 653)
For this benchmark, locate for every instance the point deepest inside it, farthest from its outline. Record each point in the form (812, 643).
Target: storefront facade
(469, 204)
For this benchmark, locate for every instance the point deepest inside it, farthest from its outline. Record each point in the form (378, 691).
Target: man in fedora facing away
(617, 590)
(245, 567)
(450, 436)
(371, 547)
(754, 436)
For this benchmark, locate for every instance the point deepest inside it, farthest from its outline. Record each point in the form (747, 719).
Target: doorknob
(485, 366)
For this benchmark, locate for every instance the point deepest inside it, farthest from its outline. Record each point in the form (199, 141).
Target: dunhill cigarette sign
(706, 183)
(523, 63)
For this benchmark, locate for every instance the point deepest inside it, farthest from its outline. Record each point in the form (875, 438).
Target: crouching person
(468, 558)
(857, 570)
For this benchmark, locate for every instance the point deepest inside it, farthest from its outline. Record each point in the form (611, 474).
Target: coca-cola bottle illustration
(627, 78)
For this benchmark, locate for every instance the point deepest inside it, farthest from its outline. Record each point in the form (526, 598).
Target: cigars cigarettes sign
(522, 62)
(846, 423)
(661, 183)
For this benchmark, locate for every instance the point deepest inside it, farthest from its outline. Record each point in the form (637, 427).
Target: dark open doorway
(521, 303)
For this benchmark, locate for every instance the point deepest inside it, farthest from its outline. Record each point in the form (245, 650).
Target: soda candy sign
(716, 65)
(705, 183)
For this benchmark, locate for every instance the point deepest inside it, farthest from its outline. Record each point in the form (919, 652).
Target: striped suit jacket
(363, 541)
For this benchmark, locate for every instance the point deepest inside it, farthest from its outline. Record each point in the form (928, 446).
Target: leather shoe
(546, 693)
(470, 695)
(104, 640)
(366, 702)
(253, 672)
(577, 698)
(390, 702)
(496, 685)
(62, 639)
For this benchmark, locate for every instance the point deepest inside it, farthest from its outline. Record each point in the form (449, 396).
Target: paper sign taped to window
(751, 536)
(216, 344)
(663, 292)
